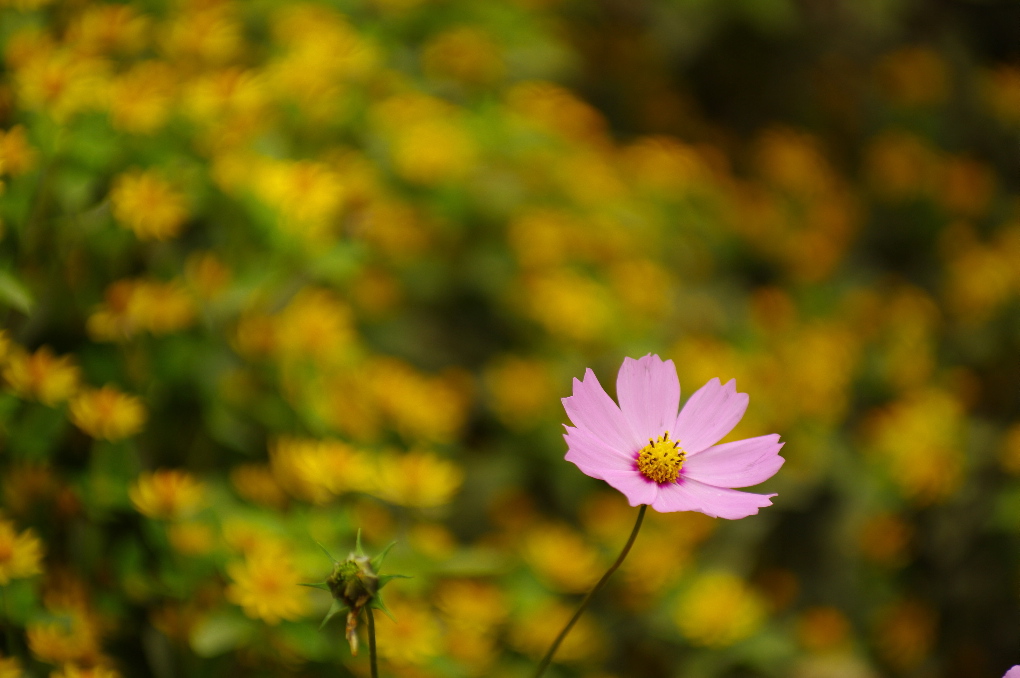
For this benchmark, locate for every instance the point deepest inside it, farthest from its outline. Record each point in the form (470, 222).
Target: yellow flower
(466, 54)
(557, 110)
(885, 539)
(167, 494)
(718, 610)
(919, 440)
(317, 470)
(561, 557)
(822, 629)
(906, 633)
(206, 274)
(420, 406)
(267, 587)
(132, 306)
(60, 83)
(20, 554)
(416, 479)
(521, 390)
(191, 539)
(306, 195)
(569, 305)
(141, 98)
(530, 633)
(206, 32)
(16, 155)
(75, 671)
(10, 667)
(107, 414)
(1002, 93)
(413, 639)
(148, 204)
(41, 375)
(914, 76)
(471, 605)
(106, 29)
(72, 639)
(256, 483)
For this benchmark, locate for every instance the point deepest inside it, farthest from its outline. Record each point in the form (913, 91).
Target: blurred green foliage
(272, 272)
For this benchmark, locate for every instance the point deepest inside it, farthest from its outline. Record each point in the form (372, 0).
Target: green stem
(371, 642)
(544, 664)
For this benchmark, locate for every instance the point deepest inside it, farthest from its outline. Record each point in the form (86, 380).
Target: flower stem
(371, 642)
(544, 664)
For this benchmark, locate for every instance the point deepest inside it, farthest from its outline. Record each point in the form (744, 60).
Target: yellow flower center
(661, 460)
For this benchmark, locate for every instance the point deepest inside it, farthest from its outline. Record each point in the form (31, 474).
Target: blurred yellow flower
(267, 587)
(823, 629)
(139, 305)
(885, 539)
(191, 539)
(318, 470)
(167, 494)
(16, 155)
(561, 557)
(257, 484)
(1002, 93)
(1009, 454)
(421, 407)
(307, 195)
(914, 77)
(141, 98)
(10, 667)
(557, 110)
(107, 413)
(413, 639)
(73, 638)
(569, 305)
(416, 479)
(206, 274)
(20, 553)
(466, 54)
(103, 29)
(665, 166)
(205, 32)
(75, 671)
(919, 440)
(900, 165)
(41, 375)
(719, 609)
(146, 203)
(905, 633)
(531, 632)
(965, 187)
(471, 604)
(60, 84)
(520, 390)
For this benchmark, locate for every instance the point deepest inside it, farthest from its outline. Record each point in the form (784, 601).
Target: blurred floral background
(271, 272)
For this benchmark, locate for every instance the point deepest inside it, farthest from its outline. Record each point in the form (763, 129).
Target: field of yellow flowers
(274, 272)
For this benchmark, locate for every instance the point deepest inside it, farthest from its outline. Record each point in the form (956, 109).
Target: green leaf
(13, 293)
(377, 561)
(317, 585)
(328, 554)
(336, 608)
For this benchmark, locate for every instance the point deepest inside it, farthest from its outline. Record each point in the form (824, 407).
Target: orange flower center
(661, 460)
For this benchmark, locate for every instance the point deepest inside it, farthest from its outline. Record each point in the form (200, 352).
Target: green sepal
(317, 585)
(377, 561)
(385, 578)
(377, 603)
(328, 554)
(336, 608)
(358, 551)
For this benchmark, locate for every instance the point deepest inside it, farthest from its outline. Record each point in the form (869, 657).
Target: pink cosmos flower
(1013, 672)
(671, 461)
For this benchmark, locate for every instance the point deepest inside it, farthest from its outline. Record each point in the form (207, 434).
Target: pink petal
(741, 463)
(633, 485)
(709, 415)
(595, 412)
(649, 395)
(1013, 672)
(593, 456)
(688, 494)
